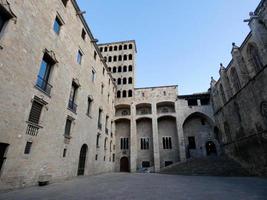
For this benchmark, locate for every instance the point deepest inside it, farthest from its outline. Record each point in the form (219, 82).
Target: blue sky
(179, 42)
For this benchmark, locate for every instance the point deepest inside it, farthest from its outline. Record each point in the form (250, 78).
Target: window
(113, 157)
(109, 69)
(124, 68)
(167, 142)
(103, 72)
(125, 57)
(222, 94)
(191, 142)
(64, 152)
(102, 88)
(144, 143)
(130, 68)
(95, 54)
(96, 157)
(106, 124)
(79, 57)
(110, 146)
(124, 93)
(130, 80)
(35, 112)
(114, 58)
(97, 140)
(44, 74)
(119, 58)
(83, 34)
(109, 59)
(167, 163)
(130, 56)
(89, 105)
(119, 94)
(114, 70)
(124, 81)
(110, 48)
(115, 48)
(101, 49)
(105, 49)
(192, 102)
(4, 17)
(119, 81)
(119, 69)
(130, 46)
(124, 143)
(235, 80)
(93, 75)
(125, 47)
(130, 93)
(105, 143)
(28, 147)
(73, 92)
(145, 164)
(65, 2)
(120, 47)
(57, 25)
(67, 127)
(100, 111)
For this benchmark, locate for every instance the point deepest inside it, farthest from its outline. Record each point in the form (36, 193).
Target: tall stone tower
(120, 58)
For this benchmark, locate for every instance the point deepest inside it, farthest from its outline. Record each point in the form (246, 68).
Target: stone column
(133, 140)
(155, 138)
(180, 133)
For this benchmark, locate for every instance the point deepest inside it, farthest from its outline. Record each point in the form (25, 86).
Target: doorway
(211, 148)
(124, 164)
(82, 160)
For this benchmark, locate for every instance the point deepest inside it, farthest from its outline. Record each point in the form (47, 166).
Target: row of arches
(116, 48)
(121, 69)
(118, 58)
(124, 94)
(124, 81)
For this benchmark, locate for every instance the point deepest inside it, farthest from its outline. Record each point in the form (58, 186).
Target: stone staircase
(208, 166)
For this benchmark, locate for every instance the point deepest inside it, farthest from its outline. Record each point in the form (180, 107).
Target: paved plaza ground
(123, 186)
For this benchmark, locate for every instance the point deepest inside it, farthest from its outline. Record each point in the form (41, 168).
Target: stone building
(240, 97)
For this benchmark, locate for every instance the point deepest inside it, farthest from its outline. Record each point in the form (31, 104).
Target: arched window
(254, 58)
(119, 69)
(105, 143)
(114, 79)
(130, 46)
(124, 81)
(115, 48)
(222, 94)
(130, 68)
(125, 68)
(109, 59)
(130, 80)
(106, 49)
(120, 47)
(124, 93)
(105, 59)
(125, 47)
(235, 79)
(109, 69)
(110, 146)
(101, 49)
(130, 93)
(119, 94)
(227, 132)
(114, 58)
(125, 57)
(114, 70)
(130, 56)
(119, 81)
(110, 48)
(120, 58)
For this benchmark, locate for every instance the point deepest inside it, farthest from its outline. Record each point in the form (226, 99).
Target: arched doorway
(124, 164)
(82, 160)
(211, 148)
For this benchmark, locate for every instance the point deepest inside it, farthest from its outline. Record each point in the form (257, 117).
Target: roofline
(194, 95)
(163, 86)
(77, 8)
(118, 42)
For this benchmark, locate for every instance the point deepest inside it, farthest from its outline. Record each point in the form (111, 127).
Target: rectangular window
(106, 124)
(100, 111)
(96, 157)
(4, 17)
(167, 142)
(113, 157)
(192, 102)
(124, 143)
(44, 74)
(79, 57)
(95, 54)
(89, 106)
(64, 152)
(67, 127)
(102, 88)
(97, 140)
(145, 164)
(191, 142)
(35, 112)
(57, 25)
(83, 34)
(144, 143)
(73, 92)
(93, 75)
(27, 149)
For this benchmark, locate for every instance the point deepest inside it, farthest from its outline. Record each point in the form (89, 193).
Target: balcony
(32, 129)
(43, 85)
(72, 106)
(143, 109)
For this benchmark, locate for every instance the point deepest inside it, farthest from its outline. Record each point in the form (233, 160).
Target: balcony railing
(32, 129)
(72, 106)
(43, 85)
(100, 126)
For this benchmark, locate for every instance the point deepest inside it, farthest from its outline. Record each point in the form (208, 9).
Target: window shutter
(35, 112)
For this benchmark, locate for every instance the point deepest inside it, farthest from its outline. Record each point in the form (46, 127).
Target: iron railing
(43, 85)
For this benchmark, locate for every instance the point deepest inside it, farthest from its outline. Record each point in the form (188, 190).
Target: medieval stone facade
(240, 97)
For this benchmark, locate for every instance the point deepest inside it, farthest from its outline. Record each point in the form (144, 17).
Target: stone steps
(208, 166)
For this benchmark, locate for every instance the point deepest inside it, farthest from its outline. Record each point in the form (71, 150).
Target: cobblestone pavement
(116, 186)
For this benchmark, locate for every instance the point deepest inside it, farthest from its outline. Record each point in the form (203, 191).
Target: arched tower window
(124, 94)
(114, 70)
(130, 68)
(125, 68)
(114, 58)
(235, 79)
(124, 81)
(119, 94)
(130, 56)
(119, 69)
(115, 48)
(109, 59)
(120, 58)
(119, 81)
(120, 47)
(130, 46)
(125, 47)
(110, 48)
(130, 80)
(101, 49)
(130, 93)
(106, 49)
(125, 57)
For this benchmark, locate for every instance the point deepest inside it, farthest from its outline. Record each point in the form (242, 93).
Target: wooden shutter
(35, 112)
